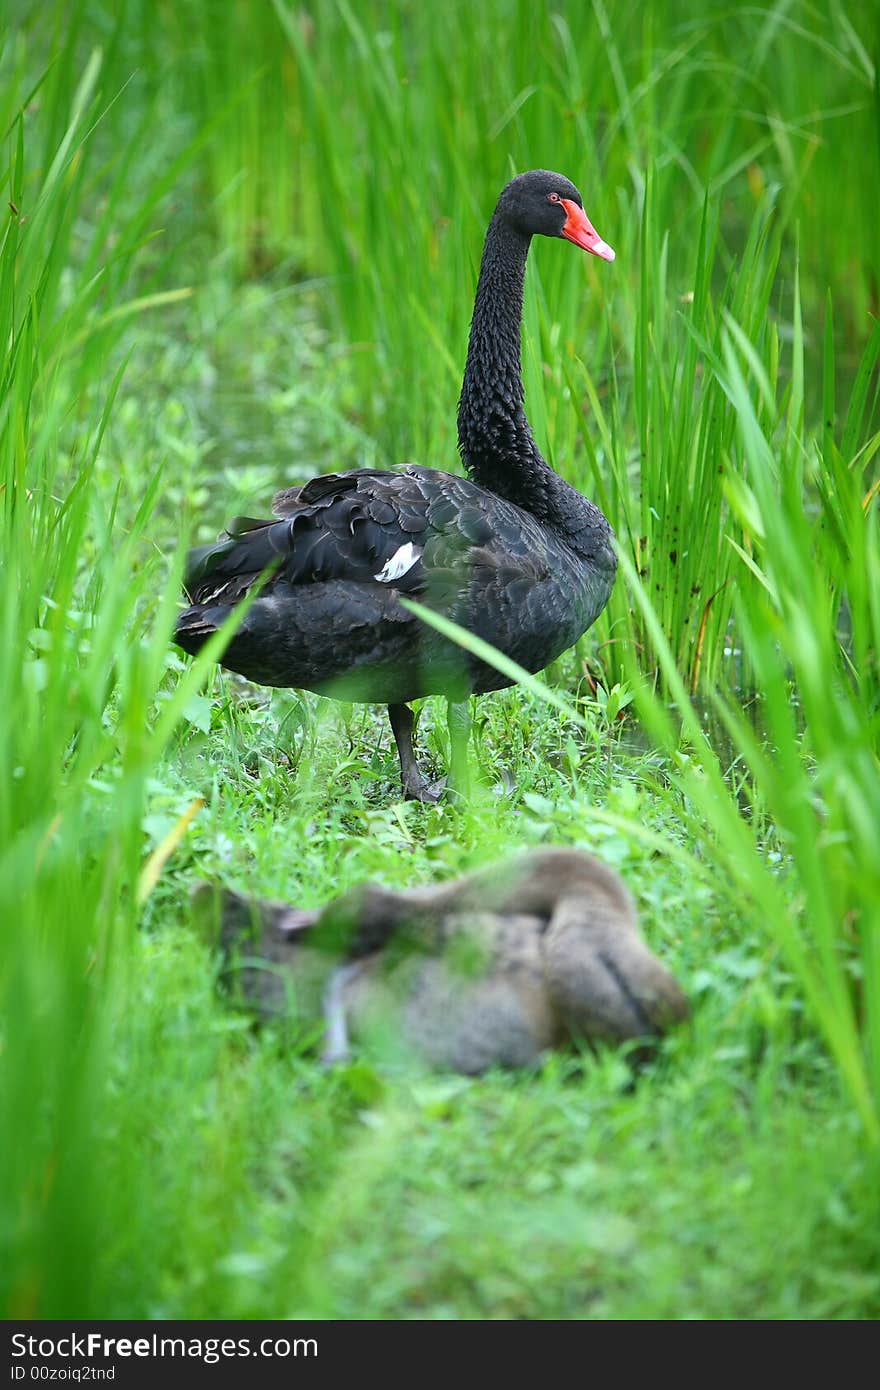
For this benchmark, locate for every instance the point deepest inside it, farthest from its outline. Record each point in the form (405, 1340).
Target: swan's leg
(458, 720)
(415, 786)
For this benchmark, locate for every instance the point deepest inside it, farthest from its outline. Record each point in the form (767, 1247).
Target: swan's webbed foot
(416, 786)
(420, 789)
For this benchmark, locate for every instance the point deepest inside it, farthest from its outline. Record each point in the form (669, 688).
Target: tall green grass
(662, 439)
(694, 388)
(807, 615)
(696, 161)
(85, 718)
(795, 831)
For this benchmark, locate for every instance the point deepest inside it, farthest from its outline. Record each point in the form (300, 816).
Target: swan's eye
(553, 198)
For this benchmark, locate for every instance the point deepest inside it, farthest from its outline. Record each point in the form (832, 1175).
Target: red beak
(579, 229)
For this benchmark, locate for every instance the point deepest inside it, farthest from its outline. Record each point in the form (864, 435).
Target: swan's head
(541, 203)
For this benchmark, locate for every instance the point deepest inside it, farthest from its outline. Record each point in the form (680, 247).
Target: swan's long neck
(494, 436)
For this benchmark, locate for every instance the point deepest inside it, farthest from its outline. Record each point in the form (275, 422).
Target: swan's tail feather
(195, 625)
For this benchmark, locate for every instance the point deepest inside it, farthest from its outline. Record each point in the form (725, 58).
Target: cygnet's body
(488, 970)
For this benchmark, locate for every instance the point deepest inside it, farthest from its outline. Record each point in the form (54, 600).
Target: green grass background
(240, 248)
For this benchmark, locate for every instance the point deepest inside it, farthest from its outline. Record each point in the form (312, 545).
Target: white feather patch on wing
(401, 561)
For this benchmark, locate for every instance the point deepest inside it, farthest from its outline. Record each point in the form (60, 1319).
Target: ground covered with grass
(190, 324)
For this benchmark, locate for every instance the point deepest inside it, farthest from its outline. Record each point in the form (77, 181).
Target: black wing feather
(339, 526)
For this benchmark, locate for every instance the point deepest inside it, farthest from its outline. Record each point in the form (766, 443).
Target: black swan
(512, 553)
(489, 970)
